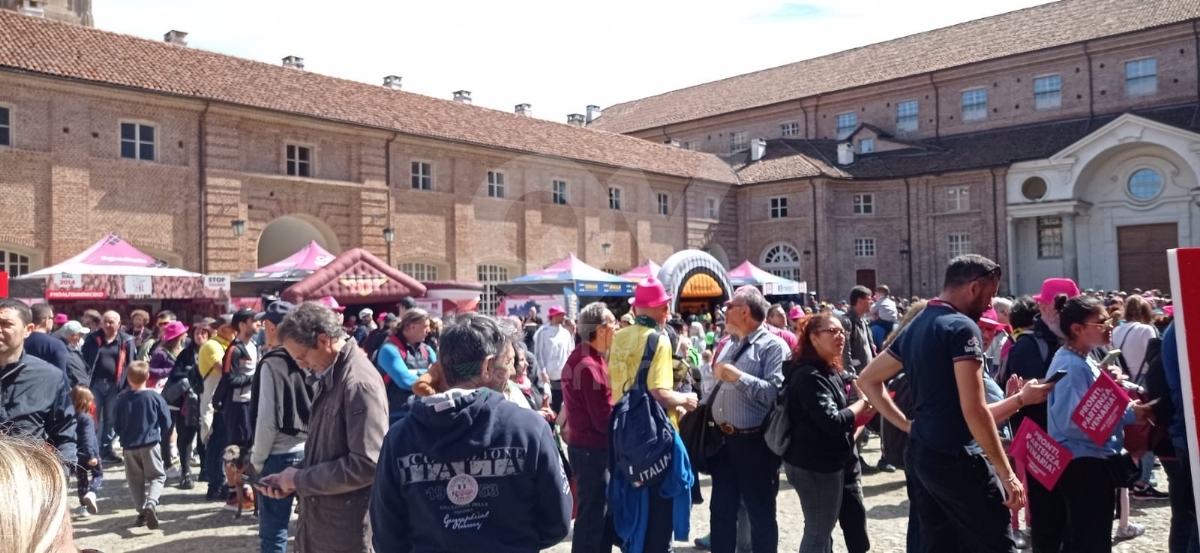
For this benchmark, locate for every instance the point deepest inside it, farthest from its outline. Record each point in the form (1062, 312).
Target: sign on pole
(1184, 265)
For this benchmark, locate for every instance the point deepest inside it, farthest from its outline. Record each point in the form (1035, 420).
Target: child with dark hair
(89, 475)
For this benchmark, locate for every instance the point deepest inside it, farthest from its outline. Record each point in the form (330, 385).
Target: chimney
(524, 109)
(33, 8)
(593, 112)
(672, 143)
(845, 153)
(176, 37)
(576, 120)
(295, 62)
(758, 148)
(463, 96)
(392, 82)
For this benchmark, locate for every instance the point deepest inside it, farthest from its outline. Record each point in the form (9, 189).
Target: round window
(1145, 184)
(1034, 188)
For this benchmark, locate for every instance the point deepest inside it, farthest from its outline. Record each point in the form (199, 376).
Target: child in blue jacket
(89, 475)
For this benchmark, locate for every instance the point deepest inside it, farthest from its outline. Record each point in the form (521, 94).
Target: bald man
(107, 352)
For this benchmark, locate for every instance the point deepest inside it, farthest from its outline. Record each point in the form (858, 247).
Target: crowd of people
(392, 433)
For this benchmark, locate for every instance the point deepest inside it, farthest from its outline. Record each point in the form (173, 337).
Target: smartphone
(258, 481)
(1058, 375)
(1111, 358)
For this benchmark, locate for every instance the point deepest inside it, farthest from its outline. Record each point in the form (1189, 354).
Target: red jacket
(587, 399)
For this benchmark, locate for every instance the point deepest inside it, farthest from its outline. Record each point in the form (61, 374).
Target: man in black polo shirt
(107, 352)
(960, 499)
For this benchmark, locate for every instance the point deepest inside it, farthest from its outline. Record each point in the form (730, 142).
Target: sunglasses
(833, 331)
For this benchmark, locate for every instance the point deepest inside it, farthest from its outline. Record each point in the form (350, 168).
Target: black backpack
(642, 438)
(1154, 380)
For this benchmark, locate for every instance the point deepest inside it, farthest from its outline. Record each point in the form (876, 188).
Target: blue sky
(558, 56)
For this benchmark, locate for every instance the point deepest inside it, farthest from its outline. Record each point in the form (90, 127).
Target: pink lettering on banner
(1101, 409)
(1044, 458)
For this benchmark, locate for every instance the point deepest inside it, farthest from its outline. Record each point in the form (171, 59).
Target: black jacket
(293, 394)
(87, 446)
(822, 425)
(1025, 360)
(77, 369)
(235, 374)
(35, 401)
(91, 352)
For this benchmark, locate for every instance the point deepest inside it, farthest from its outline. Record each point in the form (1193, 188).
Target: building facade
(889, 159)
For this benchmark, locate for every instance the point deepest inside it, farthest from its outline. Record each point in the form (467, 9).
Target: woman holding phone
(1087, 487)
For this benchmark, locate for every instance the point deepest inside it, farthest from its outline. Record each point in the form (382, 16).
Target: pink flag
(1101, 409)
(1044, 458)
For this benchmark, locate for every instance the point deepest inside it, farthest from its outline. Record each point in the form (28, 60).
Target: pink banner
(1101, 408)
(1043, 458)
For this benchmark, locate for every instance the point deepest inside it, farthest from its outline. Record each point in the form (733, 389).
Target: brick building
(1059, 140)
(168, 145)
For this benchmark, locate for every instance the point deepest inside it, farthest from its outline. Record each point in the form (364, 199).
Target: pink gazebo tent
(274, 278)
(645, 270)
(748, 274)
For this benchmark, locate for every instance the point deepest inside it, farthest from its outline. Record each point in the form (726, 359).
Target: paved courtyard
(193, 525)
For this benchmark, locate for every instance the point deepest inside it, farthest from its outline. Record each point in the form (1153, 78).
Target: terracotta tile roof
(788, 159)
(1028, 30)
(45, 47)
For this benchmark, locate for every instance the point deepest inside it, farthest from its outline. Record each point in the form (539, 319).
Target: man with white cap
(366, 323)
(551, 346)
(72, 334)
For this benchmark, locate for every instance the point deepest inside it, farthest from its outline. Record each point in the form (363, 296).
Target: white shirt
(1132, 339)
(551, 347)
(885, 307)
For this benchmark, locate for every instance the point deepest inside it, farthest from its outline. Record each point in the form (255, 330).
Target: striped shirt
(744, 404)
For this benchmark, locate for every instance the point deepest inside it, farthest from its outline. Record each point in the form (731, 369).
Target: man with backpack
(643, 436)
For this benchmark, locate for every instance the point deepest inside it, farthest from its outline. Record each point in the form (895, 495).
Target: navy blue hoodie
(469, 471)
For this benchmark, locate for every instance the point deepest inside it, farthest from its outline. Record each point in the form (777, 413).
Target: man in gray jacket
(345, 434)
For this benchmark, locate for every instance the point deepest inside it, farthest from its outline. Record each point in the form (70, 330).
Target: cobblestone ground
(193, 525)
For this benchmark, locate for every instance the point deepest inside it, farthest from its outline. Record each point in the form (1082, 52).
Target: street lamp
(807, 255)
(239, 227)
(904, 255)
(606, 248)
(389, 235)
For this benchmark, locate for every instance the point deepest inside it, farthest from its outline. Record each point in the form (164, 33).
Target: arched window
(489, 275)
(14, 263)
(782, 260)
(423, 272)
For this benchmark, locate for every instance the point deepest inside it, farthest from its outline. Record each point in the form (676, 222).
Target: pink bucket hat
(649, 293)
(555, 311)
(173, 330)
(1169, 310)
(795, 313)
(61, 319)
(1055, 286)
(331, 303)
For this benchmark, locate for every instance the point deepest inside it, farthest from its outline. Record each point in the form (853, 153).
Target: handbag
(779, 426)
(700, 435)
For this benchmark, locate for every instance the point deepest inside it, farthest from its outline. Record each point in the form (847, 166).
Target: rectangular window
(559, 192)
(974, 105)
(1047, 92)
(778, 208)
(489, 275)
(864, 204)
(738, 141)
(958, 198)
(137, 141)
(299, 161)
(710, 207)
(789, 129)
(422, 175)
(1141, 77)
(959, 244)
(664, 204)
(691, 145)
(864, 247)
(846, 123)
(866, 145)
(907, 116)
(5, 127)
(423, 272)
(614, 198)
(495, 184)
(1049, 237)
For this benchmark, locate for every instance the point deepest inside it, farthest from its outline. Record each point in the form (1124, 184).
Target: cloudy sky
(557, 55)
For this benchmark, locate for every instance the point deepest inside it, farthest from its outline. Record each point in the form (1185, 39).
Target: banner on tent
(68, 280)
(75, 294)
(584, 288)
(790, 288)
(433, 306)
(518, 306)
(215, 282)
(139, 285)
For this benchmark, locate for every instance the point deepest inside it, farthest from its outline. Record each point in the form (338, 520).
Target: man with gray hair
(345, 432)
(467, 469)
(745, 471)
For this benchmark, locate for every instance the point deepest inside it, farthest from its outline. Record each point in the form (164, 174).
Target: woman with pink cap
(162, 361)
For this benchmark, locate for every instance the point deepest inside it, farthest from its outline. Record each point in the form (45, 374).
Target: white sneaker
(89, 503)
(81, 512)
(173, 472)
(195, 461)
(1131, 531)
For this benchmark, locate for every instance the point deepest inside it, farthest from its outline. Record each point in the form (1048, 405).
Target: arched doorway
(289, 234)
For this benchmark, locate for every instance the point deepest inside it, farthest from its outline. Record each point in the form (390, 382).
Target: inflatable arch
(696, 272)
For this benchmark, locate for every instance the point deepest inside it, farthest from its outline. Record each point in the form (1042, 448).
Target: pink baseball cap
(61, 319)
(1055, 286)
(1169, 310)
(795, 313)
(555, 311)
(331, 303)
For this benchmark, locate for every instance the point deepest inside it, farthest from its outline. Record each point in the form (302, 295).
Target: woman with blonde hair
(34, 519)
(1133, 338)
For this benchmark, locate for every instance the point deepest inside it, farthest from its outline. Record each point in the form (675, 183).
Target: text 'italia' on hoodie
(468, 470)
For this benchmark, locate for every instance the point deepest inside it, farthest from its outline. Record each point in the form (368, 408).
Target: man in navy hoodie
(468, 470)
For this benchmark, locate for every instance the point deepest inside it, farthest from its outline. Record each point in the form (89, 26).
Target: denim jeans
(1185, 537)
(214, 454)
(744, 472)
(105, 395)
(956, 503)
(820, 502)
(1147, 464)
(591, 484)
(274, 514)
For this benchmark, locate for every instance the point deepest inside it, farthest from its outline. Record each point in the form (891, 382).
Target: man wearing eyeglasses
(745, 471)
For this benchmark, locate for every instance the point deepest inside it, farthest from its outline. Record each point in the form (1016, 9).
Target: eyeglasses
(833, 331)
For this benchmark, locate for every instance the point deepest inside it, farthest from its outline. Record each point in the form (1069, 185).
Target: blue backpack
(642, 438)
